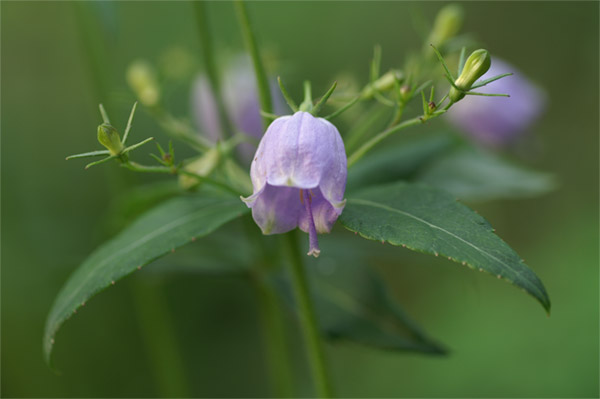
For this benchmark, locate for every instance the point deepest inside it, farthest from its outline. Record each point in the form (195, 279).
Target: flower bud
(142, 79)
(499, 121)
(476, 65)
(447, 24)
(384, 83)
(109, 138)
(299, 177)
(201, 166)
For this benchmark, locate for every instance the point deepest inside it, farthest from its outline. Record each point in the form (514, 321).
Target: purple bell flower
(498, 121)
(240, 95)
(299, 177)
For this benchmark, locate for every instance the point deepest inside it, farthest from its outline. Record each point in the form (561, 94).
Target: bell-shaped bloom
(299, 177)
(498, 121)
(240, 95)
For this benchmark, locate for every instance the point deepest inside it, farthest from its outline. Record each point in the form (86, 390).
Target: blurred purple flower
(299, 177)
(240, 96)
(497, 121)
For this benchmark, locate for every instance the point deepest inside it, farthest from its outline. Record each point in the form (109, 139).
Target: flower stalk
(308, 320)
(264, 92)
(211, 66)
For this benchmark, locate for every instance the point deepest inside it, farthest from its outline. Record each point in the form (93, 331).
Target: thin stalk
(160, 340)
(264, 92)
(210, 65)
(358, 154)
(136, 167)
(363, 127)
(272, 322)
(398, 114)
(274, 339)
(308, 320)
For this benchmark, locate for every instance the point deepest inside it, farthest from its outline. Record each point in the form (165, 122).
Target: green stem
(136, 167)
(264, 92)
(94, 49)
(308, 321)
(179, 130)
(160, 340)
(358, 154)
(271, 314)
(274, 338)
(397, 115)
(210, 66)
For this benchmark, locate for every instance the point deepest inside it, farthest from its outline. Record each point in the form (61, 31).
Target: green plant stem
(160, 340)
(308, 321)
(271, 315)
(358, 154)
(210, 66)
(173, 170)
(397, 115)
(274, 338)
(94, 50)
(264, 92)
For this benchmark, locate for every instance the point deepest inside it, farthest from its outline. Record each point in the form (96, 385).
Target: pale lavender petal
(499, 120)
(277, 209)
(299, 176)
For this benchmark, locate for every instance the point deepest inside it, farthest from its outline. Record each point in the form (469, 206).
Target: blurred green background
(54, 213)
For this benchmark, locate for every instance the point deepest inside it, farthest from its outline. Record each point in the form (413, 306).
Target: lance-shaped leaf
(429, 220)
(353, 304)
(475, 175)
(155, 234)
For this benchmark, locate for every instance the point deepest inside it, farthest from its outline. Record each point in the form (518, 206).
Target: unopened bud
(431, 106)
(109, 138)
(476, 65)
(447, 24)
(142, 79)
(202, 166)
(384, 83)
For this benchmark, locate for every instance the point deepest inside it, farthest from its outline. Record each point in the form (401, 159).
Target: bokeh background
(54, 213)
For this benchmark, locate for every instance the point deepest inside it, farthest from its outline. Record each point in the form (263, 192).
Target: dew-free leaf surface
(155, 234)
(431, 221)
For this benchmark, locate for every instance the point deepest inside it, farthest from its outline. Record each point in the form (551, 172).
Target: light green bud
(142, 79)
(447, 24)
(109, 138)
(201, 166)
(475, 67)
(384, 83)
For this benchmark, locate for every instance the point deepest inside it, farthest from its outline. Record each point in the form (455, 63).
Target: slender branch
(308, 320)
(160, 341)
(275, 339)
(358, 154)
(211, 66)
(264, 92)
(136, 167)
(344, 108)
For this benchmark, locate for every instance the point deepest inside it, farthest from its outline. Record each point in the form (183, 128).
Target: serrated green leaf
(352, 304)
(155, 234)
(399, 162)
(429, 220)
(475, 175)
